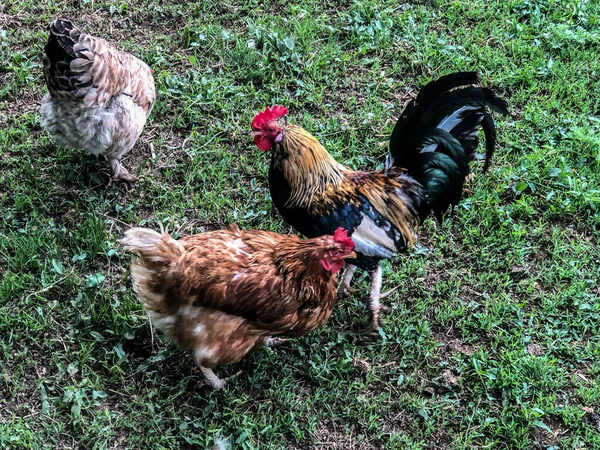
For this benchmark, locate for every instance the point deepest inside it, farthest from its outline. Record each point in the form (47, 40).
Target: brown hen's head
(341, 248)
(266, 127)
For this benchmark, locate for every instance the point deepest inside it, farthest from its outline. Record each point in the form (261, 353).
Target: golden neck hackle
(307, 166)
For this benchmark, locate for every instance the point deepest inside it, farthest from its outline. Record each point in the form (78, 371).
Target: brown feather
(318, 182)
(220, 293)
(112, 72)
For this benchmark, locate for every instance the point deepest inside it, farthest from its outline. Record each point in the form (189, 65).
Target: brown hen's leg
(212, 378)
(274, 341)
(344, 289)
(120, 173)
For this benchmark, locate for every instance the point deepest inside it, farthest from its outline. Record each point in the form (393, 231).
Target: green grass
(493, 338)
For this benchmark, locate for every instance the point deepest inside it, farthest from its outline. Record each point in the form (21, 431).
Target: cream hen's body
(99, 98)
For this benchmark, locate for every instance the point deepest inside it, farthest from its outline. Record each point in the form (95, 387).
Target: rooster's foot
(344, 290)
(374, 304)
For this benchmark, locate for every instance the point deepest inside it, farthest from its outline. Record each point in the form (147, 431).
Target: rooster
(430, 149)
(224, 293)
(99, 98)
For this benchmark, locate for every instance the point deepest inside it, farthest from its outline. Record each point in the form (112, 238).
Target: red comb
(267, 115)
(341, 237)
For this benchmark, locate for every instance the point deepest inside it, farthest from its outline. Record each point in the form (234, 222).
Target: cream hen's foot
(376, 295)
(120, 173)
(344, 290)
(213, 379)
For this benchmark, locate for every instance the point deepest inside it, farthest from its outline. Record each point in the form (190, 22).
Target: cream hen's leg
(376, 295)
(344, 289)
(120, 173)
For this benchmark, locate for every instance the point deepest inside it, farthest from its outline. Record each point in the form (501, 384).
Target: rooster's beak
(351, 255)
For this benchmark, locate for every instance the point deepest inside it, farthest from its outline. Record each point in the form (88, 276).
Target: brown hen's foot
(125, 177)
(216, 382)
(272, 342)
(212, 378)
(120, 174)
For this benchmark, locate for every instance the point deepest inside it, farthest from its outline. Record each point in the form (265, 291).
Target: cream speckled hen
(224, 293)
(99, 98)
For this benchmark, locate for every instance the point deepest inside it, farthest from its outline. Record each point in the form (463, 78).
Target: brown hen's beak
(351, 255)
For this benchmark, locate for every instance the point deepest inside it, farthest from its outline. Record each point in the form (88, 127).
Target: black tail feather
(411, 116)
(61, 41)
(436, 136)
(58, 55)
(489, 129)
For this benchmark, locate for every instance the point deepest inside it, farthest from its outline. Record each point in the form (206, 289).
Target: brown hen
(224, 293)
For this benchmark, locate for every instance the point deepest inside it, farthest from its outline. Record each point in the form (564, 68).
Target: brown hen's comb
(341, 237)
(267, 115)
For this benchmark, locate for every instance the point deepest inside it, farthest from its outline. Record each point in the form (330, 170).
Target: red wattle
(262, 142)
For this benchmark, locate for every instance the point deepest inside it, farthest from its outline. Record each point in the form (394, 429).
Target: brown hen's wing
(77, 65)
(237, 273)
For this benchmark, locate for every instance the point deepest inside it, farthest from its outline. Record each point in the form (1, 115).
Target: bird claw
(274, 341)
(213, 380)
(123, 177)
(344, 291)
(376, 322)
(376, 312)
(391, 291)
(221, 383)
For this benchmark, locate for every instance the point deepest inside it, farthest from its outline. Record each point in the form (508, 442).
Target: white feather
(221, 443)
(372, 240)
(453, 119)
(429, 148)
(448, 123)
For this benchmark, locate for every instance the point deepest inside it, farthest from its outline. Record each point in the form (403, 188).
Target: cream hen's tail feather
(152, 273)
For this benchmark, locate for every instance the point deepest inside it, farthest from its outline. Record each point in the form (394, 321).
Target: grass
(493, 338)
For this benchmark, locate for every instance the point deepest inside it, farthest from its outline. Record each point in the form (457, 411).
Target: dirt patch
(329, 435)
(535, 349)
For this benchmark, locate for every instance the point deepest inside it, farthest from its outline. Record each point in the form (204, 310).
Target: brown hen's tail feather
(152, 274)
(152, 246)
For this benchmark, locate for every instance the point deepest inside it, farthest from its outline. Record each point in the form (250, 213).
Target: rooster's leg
(344, 288)
(120, 172)
(212, 378)
(375, 295)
